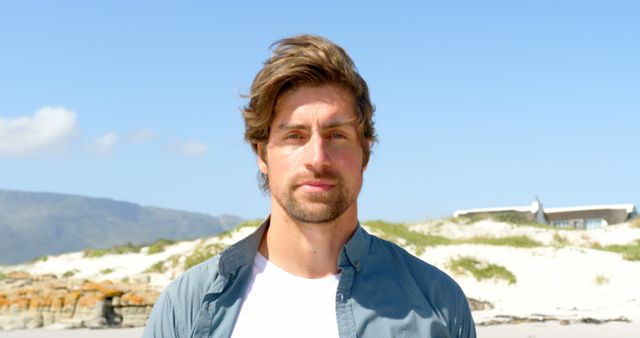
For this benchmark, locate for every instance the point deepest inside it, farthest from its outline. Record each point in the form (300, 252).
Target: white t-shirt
(279, 304)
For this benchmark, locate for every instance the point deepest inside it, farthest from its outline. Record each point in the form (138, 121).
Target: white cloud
(141, 135)
(49, 131)
(103, 146)
(189, 148)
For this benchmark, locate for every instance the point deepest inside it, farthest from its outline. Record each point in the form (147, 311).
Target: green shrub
(175, 259)
(630, 252)
(2, 276)
(94, 253)
(157, 267)
(514, 241)
(480, 270)
(116, 250)
(601, 280)
(561, 240)
(458, 220)
(106, 271)
(225, 234)
(201, 254)
(399, 232)
(471, 219)
(40, 259)
(159, 246)
(254, 223)
(510, 217)
(596, 246)
(70, 273)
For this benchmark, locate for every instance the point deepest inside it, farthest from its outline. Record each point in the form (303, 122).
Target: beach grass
(201, 254)
(159, 246)
(253, 223)
(630, 252)
(480, 270)
(40, 259)
(157, 267)
(402, 234)
(559, 239)
(512, 241)
(70, 273)
(601, 280)
(503, 217)
(116, 250)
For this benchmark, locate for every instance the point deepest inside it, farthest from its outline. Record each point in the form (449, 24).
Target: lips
(313, 186)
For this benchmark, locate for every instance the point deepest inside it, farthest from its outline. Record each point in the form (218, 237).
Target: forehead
(326, 103)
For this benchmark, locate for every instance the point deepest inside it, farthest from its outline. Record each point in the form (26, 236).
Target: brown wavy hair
(304, 60)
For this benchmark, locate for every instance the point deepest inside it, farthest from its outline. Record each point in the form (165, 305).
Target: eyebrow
(329, 125)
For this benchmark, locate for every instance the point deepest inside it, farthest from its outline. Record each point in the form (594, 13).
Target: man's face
(314, 154)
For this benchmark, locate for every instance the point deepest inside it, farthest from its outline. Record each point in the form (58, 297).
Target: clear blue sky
(479, 104)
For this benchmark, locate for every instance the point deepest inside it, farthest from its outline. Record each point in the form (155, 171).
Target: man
(310, 270)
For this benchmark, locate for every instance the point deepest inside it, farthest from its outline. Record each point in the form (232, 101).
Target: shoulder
(442, 291)
(439, 290)
(393, 256)
(174, 312)
(195, 281)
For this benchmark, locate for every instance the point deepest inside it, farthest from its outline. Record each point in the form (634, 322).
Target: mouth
(315, 186)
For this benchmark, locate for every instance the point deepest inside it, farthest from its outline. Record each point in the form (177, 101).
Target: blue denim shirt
(383, 292)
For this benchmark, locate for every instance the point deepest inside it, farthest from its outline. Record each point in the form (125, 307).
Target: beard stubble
(316, 207)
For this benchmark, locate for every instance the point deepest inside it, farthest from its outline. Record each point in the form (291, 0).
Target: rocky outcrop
(541, 318)
(479, 305)
(33, 301)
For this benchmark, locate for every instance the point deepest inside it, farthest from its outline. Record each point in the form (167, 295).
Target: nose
(317, 154)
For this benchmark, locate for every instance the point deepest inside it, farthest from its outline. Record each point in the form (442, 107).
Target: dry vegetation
(480, 270)
(403, 235)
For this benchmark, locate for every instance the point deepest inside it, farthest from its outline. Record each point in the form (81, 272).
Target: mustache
(325, 175)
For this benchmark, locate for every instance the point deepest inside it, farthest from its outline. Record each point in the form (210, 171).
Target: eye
(337, 135)
(293, 136)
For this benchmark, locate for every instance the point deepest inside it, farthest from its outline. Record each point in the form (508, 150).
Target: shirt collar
(353, 253)
(243, 252)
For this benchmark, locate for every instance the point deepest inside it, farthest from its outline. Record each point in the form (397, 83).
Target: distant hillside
(37, 224)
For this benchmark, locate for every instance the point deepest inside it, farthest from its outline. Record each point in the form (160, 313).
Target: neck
(307, 250)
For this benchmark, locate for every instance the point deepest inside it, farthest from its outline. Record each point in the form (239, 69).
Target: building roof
(533, 208)
(529, 208)
(627, 207)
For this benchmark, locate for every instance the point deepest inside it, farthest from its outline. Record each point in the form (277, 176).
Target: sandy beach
(556, 330)
(78, 333)
(537, 330)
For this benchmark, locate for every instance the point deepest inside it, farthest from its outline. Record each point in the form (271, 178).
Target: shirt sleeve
(163, 322)
(462, 325)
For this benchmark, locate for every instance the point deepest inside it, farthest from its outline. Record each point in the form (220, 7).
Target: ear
(365, 165)
(262, 160)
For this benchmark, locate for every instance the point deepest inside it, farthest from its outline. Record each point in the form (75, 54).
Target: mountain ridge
(34, 224)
